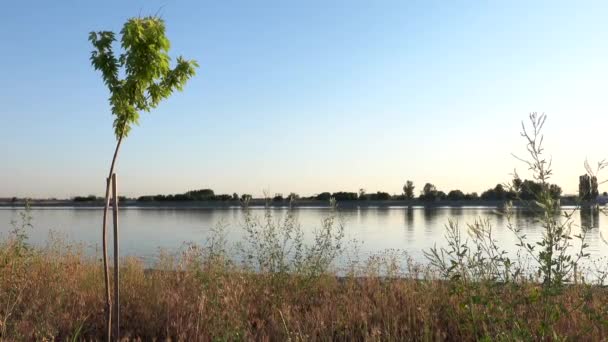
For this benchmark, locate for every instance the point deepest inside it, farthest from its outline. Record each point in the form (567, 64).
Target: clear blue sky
(307, 96)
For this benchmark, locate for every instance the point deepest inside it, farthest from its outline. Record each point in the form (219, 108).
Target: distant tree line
(194, 195)
(430, 193)
(93, 198)
(278, 197)
(518, 189)
(525, 190)
(90, 198)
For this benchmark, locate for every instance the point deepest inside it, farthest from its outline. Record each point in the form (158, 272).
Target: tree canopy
(408, 190)
(145, 64)
(430, 193)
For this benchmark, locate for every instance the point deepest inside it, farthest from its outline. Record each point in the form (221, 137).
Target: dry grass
(55, 293)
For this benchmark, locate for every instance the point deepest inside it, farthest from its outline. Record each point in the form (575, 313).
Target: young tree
(147, 79)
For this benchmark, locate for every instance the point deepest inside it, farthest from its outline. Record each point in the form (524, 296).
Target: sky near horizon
(308, 96)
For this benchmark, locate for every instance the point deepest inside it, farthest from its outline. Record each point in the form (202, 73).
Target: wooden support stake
(116, 260)
(106, 271)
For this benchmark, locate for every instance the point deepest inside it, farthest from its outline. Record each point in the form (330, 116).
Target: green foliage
(552, 253)
(276, 245)
(145, 64)
(20, 228)
(476, 258)
(477, 263)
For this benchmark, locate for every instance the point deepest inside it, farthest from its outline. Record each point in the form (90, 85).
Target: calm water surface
(145, 231)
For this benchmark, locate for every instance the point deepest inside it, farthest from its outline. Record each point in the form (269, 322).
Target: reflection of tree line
(409, 218)
(589, 216)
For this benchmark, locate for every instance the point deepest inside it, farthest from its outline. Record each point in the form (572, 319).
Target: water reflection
(501, 218)
(590, 217)
(456, 211)
(409, 218)
(383, 212)
(429, 215)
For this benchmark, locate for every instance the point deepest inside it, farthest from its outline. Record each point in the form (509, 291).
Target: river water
(144, 231)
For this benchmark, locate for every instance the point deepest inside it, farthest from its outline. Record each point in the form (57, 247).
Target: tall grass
(53, 292)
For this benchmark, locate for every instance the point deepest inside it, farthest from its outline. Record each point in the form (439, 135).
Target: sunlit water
(143, 232)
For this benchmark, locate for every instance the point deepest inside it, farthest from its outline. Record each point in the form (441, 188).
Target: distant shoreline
(260, 203)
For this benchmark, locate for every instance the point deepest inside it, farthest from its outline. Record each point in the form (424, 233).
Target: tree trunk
(116, 261)
(105, 246)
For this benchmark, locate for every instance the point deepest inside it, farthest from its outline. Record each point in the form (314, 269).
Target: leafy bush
(276, 245)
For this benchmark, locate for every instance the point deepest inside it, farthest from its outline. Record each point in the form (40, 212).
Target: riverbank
(57, 294)
(262, 203)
